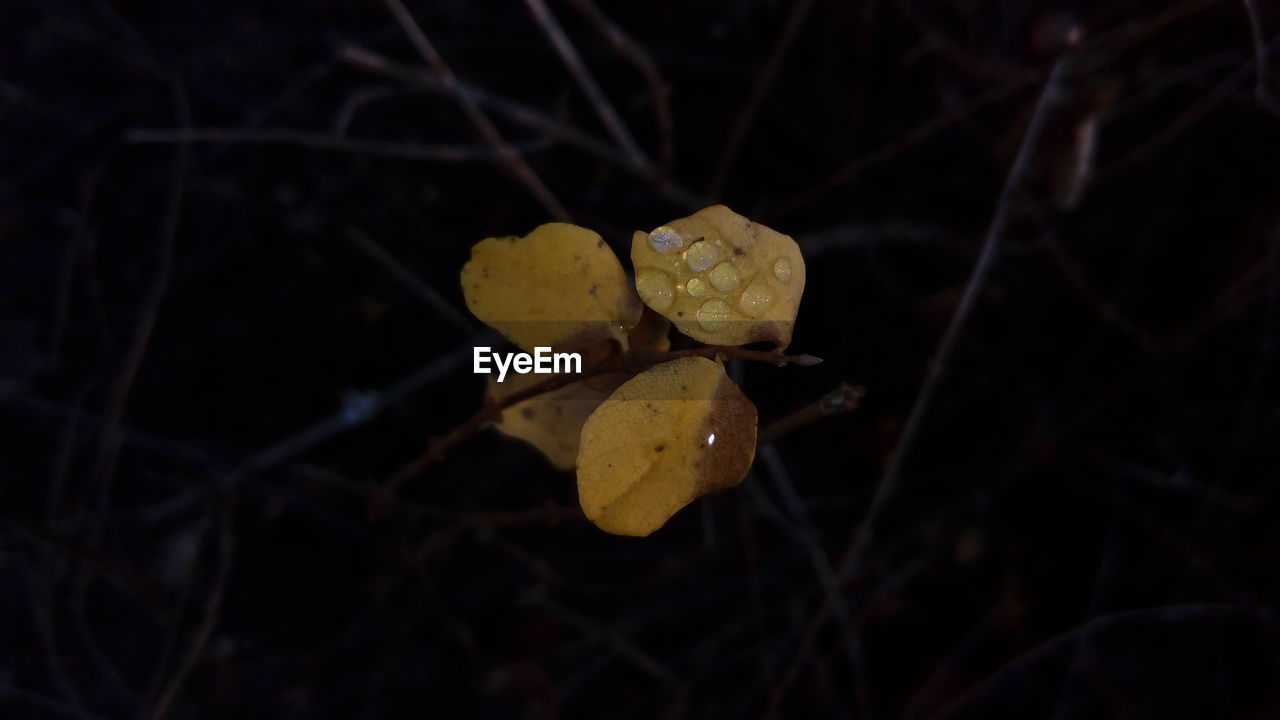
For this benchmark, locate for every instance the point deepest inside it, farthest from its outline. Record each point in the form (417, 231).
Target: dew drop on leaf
(725, 276)
(665, 240)
(714, 315)
(755, 300)
(700, 256)
(782, 269)
(728, 253)
(655, 288)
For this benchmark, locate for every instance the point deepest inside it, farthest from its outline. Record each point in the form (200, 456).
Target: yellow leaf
(560, 286)
(721, 278)
(551, 421)
(664, 438)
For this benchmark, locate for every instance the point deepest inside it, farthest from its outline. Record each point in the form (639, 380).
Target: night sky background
(230, 238)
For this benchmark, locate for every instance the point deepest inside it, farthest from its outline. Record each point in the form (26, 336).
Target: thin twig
(659, 90)
(550, 514)
(1161, 140)
(174, 636)
(760, 90)
(1262, 55)
(823, 568)
(1205, 612)
(109, 448)
(847, 172)
(442, 152)
(1104, 579)
(357, 100)
(371, 61)
(945, 670)
(358, 410)
(569, 54)
(212, 614)
(946, 348)
(888, 485)
(1123, 36)
(843, 399)
(538, 597)
(42, 604)
(437, 448)
(80, 241)
(477, 116)
(409, 279)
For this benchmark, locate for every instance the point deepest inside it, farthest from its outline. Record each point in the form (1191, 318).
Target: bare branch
(109, 446)
(1171, 614)
(763, 83)
(445, 153)
(847, 172)
(212, 614)
(587, 82)
(410, 280)
(659, 90)
(538, 597)
(519, 113)
(439, 447)
(477, 116)
(1262, 56)
(950, 340)
(844, 399)
(888, 485)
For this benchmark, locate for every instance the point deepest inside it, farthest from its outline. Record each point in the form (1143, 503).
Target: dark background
(212, 353)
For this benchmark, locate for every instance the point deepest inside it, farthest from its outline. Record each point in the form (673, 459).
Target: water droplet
(725, 276)
(700, 256)
(665, 240)
(714, 315)
(782, 269)
(655, 288)
(756, 299)
(711, 439)
(697, 287)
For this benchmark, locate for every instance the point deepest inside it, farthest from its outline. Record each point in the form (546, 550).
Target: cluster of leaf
(645, 444)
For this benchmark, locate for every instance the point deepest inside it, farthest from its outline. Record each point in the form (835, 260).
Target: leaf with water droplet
(721, 278)
(560, 286)
(664, 438)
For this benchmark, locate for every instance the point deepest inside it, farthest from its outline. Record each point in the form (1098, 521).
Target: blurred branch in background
(581, 75)
(484, 126)
(659, 88)
(855, 555)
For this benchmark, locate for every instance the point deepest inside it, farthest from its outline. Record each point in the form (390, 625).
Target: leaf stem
(843, 399)
(438, 447)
